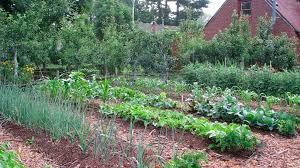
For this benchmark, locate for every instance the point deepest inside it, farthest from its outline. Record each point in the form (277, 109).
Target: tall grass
(35, 111)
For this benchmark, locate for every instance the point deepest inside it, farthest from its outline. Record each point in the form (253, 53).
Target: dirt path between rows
(28, 155)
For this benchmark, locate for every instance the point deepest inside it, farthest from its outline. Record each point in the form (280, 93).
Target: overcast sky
(213, 7)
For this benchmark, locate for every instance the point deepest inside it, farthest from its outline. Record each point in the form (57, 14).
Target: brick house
(287, 20)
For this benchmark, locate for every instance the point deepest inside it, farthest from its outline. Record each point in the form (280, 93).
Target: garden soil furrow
(28, 155)
(63, 153)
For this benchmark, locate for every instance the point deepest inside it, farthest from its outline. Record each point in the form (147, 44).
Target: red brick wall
(222, 19)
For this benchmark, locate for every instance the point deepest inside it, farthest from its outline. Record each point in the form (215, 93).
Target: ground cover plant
(223, 136)
(188, 160)
(75, 87)
(225, 106)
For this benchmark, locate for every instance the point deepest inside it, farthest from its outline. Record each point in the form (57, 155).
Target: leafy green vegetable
(188, 160)
(227, 108)
(223, 136)
(9, 159)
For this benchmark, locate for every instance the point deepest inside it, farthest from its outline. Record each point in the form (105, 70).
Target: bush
(237, 45)
(254, 79)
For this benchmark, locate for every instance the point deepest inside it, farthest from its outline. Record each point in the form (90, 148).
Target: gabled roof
(216, 12)
(290, 10)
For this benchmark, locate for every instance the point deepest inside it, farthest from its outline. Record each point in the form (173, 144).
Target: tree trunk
(177, 12)
(159, 11)
(166, 74)
(16, 65)
(133, 10)
(165, 17)
(134, 74)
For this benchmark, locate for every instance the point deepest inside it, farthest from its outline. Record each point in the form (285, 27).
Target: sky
(213, 6)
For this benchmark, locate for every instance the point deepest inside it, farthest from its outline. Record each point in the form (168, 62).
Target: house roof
(290, 10)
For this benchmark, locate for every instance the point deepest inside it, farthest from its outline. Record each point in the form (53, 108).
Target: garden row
(77, 88)
(212, 102)
(226, 107)
(259, 80)
(223, 136)
(148, 84)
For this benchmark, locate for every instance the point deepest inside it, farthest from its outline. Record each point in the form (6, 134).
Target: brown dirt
(62, 152)
(28, 156)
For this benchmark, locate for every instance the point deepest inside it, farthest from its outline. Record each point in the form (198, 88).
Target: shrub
(259, 80)
(237, 45)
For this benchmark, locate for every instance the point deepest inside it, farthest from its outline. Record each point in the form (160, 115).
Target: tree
(78, 42)
(15, 39)
(109, 12)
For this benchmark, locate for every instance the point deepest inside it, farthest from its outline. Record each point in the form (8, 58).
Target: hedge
(259, 80)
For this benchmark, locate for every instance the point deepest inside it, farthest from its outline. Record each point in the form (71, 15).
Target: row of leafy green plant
(153, 84)
(223, 136)
(8, 158)
(159, 101)
(78, 89)
(225, 106)
(259, 80)
(290, 101)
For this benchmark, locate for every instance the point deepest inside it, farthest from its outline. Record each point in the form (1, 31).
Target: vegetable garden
(140, 125)
(83, 83)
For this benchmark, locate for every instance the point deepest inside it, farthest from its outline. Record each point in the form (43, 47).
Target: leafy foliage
(9, 158)
(223, 136)
(259, 80)
(76, 88)
(236, 45)
(226, 107)
(188, 160)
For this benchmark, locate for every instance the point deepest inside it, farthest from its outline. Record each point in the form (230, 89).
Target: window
(246, 8)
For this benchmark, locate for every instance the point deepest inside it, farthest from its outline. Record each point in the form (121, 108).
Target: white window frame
(242, 10)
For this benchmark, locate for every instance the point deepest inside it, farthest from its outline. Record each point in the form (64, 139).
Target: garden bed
(119, 126)
(276, 151)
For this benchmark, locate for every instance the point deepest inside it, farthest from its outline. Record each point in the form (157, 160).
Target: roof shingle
(290, 10)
